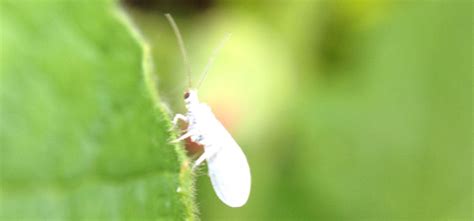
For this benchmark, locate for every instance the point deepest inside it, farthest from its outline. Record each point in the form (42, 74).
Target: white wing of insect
(229, 170)
(227, 165)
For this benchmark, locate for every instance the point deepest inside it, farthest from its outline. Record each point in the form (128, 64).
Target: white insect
(227, 165)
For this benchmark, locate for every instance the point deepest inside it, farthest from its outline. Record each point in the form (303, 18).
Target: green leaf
(82, 132)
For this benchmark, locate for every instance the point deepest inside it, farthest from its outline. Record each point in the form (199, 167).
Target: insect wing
(229, 170)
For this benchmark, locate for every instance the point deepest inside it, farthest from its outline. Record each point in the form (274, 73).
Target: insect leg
(179, 117)
(199, 160)
(207, 154)
(182, 137)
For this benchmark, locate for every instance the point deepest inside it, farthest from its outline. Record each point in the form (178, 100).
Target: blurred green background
(347, 110)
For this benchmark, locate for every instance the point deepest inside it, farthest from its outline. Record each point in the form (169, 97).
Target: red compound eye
(186, 95)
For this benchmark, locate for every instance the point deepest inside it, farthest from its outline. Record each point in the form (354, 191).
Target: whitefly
(227, 165)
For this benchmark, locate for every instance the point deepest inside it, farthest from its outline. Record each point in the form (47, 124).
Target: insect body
(227, 165)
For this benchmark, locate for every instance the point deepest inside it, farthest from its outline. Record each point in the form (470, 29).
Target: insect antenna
(212, 58)
(181, 46)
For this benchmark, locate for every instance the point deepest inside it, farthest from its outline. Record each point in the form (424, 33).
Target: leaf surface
(82, 133)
